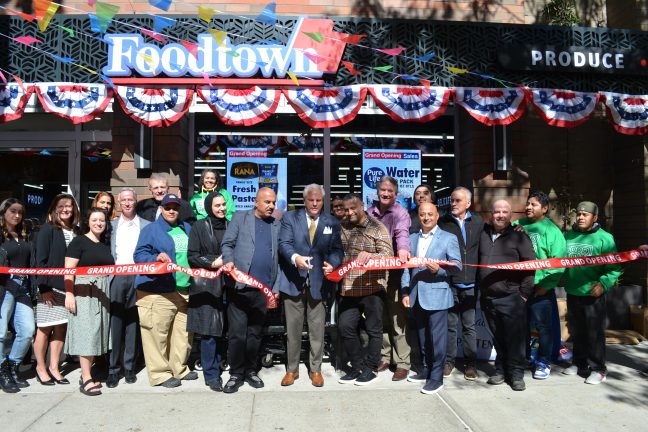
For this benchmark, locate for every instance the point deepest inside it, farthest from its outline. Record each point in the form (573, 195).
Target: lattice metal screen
(473, 46)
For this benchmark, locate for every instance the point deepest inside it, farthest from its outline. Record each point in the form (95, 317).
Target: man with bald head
(251, 245)
(427, 292)
(504, 294)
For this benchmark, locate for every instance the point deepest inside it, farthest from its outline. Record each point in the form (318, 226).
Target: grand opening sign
(302, 55)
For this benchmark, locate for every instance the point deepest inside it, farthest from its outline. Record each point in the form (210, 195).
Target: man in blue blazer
(310, 247)
(251, 245)
(426, 291)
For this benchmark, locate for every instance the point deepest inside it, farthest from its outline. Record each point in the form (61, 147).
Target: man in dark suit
(251, 245)
(427, 292)
(310, 248)
(124, 326)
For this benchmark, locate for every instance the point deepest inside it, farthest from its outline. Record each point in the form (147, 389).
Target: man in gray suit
(310, 247)
(249, 237)
(426, 290)
(124, 327)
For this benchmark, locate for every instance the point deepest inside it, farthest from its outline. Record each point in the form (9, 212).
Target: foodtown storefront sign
(302, 55)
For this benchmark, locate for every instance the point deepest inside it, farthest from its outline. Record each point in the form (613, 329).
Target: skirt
(88, 331)
(50, 316)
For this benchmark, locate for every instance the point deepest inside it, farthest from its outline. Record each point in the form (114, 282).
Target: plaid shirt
(373, 237)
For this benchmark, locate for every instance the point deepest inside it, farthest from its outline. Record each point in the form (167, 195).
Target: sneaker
(171, 383)
(365, 378)
(432, 387)
(470, 373)
(253, 380)
(575, 370)
(518, 385)
(420, 377)
(595, 378)
(350, 378)
(447, 370)
(542, 371)
(193, 375)
(496, 379)
(233, 384)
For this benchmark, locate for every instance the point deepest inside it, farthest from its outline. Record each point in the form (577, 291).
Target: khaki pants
(166, 343)
(396, 347)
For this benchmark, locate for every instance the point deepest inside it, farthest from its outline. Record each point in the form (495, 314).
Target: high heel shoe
(56, 380)
(49, 382)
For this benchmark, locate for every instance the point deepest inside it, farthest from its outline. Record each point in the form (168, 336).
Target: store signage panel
(574, 59)
(248, 170)
(403, 165)
(128, 54)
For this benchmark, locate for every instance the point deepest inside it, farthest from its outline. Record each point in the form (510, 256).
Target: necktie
(311, 229)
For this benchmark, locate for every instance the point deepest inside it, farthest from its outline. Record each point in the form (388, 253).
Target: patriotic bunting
(628, 113)
(155, 107)
(492, 106)
(13, 98)
(418, 104)
(77, 103)
(564, 108)
(241, 107)
(327, 108)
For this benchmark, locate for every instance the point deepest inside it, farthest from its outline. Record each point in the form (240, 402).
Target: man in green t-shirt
(586, 288)
(548, 242)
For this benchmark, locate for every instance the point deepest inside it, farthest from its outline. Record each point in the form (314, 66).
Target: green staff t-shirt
(181, 241)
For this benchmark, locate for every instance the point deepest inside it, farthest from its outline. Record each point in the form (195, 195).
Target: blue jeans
(210, 357)
(540, 314)
(16, 307)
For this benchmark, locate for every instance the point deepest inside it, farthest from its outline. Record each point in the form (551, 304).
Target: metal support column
(327, 169)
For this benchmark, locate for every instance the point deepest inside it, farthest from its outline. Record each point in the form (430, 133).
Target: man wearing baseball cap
(162, 299)
(586, 288)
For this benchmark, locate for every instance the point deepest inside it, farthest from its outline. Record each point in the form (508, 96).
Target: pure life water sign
(403, 165)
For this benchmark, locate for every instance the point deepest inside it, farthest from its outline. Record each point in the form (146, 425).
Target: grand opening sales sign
(403, 165)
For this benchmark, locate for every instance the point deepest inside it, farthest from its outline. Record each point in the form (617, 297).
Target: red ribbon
(145, 268)
(388, 263)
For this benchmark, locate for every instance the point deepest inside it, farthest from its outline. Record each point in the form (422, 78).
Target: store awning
(325, 107)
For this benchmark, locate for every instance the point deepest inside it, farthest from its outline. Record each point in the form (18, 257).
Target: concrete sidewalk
(559, 403)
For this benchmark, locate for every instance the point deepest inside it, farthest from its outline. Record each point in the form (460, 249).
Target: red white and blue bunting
(13, 98)
(328, 107)
(628, 113)
(492, 106)
(411, 104)
(78, 103)
(155, 107)
(564, 108)
(241, 107)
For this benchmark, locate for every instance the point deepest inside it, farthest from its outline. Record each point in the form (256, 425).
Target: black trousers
(507, 319)
(463, 311)
(124, 324)
(246, 314)
(586, 318)
(351, 309)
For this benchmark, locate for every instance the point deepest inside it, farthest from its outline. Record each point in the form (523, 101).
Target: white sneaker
(542, 371)
(595, 378)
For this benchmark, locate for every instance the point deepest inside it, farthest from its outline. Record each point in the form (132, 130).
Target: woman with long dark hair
(51, 316)
(205, 313)
(87, 298)
(16, 305)
(106, 202)
(210, 181)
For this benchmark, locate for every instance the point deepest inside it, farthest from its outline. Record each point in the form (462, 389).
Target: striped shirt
(370, 236)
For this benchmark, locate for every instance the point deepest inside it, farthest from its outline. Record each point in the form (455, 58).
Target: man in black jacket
(468, 228)
(504, 294)
(149, 209)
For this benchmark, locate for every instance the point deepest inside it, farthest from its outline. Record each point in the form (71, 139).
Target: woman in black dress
(205, 314)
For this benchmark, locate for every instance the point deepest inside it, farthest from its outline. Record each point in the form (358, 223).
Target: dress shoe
(113, 380)
(316, 379)
(49, 382)
(400, 374)
(382, 366)
(233, 384)
(518, 384)
(289, 378)
(63, 380)
(470, 373)
(130, 377)
(254, 380)
(447, 370)
(216, 384)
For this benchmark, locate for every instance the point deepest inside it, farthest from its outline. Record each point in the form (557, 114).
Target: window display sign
(403, 165)
(248, 170)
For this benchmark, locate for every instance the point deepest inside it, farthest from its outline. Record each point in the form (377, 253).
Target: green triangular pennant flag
(316, 36)
(383, 68)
